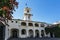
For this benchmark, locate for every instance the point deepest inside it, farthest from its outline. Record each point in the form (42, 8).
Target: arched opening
(14, 33)
(30, 24)
(51, 34)
(36, 25)
(2, 31)
(42, 25)
(28, 11)
(37, 33)
(30, 33)
(23, 32)
(42, 33)
(23, 23)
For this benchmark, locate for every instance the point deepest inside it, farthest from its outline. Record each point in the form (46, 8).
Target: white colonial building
(25, 28)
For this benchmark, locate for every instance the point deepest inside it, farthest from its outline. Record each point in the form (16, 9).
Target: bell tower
(27, 14)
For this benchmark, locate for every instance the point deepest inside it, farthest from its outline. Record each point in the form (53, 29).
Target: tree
(6, 8)
(57, 31)
(54, 30)
(50, 30)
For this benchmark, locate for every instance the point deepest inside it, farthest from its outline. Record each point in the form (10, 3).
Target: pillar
(40, 29)
(40, 33)
(33, 33)
(33, 29)
(19, 33)
(27, 29)
(20, 29)
(27, 33)
(6, 33)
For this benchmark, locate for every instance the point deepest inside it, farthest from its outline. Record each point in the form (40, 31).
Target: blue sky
(42, 10)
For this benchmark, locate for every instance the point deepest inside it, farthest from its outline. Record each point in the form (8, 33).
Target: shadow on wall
(2, 31)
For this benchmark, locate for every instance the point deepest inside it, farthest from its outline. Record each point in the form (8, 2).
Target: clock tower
(27, 14)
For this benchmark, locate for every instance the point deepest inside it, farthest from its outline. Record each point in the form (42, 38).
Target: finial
(26, 4)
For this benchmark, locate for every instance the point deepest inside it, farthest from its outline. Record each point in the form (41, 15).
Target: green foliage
(55, 30)
(7, 7)
(4, 3)
(2, 12)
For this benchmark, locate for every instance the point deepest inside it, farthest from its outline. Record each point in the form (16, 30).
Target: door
(15, 33)
(37, 33)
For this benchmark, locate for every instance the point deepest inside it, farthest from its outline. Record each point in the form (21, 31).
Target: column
(33, 33)
(40, 33)
(27, 29)
(33, 29)
(6, 33)
(27, 33)
(20, 29)
(20, 32)
(40, 29)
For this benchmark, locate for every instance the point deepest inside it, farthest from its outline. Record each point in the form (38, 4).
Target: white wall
(19, 27)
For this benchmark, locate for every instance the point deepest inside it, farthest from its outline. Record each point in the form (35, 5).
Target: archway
(30, 24)
(42, 33)
(2, 31)
(36, 25)
(31, 33)
(37, 33)
(23, 23)
(23, 31)
(14, 33)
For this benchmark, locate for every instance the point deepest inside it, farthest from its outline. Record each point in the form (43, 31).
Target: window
(28, 11)
(23, 31)
(12, 21)
(16, 21)
(23, 23)
(42, 25)
(14, 33)
(36, 25)
(30, 24)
